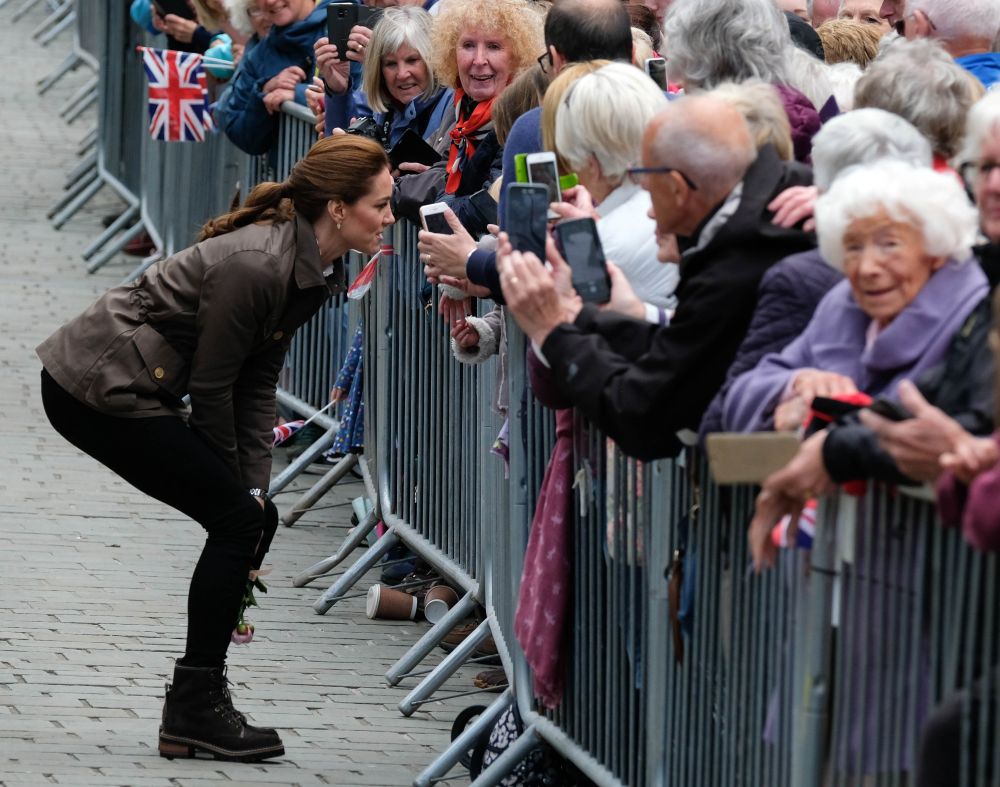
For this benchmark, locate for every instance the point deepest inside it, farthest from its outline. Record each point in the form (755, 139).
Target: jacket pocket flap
(165, 365)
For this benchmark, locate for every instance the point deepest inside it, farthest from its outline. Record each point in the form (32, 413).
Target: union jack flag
(178, 100)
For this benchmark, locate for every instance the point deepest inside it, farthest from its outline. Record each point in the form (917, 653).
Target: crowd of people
(805, 211)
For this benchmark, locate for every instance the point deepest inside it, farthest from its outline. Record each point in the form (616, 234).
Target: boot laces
(224, 700)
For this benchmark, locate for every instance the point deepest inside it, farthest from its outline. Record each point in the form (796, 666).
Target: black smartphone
(176, 7)
(485, 205)
(368, 16)
(580, 246)
(526, 216)
(414, 149)
(891, 410)
(833, 408)
(340, 19)
(656, 67)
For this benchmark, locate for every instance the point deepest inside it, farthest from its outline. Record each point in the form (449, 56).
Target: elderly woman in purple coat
(902, 236)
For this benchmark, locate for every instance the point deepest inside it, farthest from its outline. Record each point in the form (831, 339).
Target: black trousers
(165, 459)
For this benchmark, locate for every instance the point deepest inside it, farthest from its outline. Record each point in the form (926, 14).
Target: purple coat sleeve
(754, 394)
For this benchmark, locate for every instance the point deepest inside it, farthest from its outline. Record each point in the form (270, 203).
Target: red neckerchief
(465, 136)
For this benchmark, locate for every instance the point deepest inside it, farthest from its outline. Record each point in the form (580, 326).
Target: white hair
(399, 26)
(864, 136)
(239, 16)
(810, 76)
(713, 41)
(954, 19)
(933, 202)
(982, 121)
(604, 114)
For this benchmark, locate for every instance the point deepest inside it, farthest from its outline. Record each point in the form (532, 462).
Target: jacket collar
(308, 265)
(907, 338)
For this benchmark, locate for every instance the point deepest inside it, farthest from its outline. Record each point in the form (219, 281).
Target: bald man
(642, 383)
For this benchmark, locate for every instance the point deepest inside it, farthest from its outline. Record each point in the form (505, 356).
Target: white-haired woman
(980, 166)
(902, 235)
(399, 90)
(598, 133)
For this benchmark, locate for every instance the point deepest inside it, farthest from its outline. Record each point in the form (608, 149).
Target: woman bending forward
(215, 321)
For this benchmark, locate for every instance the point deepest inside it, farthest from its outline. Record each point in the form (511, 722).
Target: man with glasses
(643, 383)
(965, 28)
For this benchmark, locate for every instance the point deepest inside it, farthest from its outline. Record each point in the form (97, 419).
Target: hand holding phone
(580, 246)
(433, 219)
(340, 18)
(526, 217)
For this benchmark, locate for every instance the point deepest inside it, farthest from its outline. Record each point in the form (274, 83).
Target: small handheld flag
(178, 101)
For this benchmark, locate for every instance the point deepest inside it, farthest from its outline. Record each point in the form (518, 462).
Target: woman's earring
(339, 225)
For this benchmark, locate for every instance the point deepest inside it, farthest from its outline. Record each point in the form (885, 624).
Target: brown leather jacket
(213, 321)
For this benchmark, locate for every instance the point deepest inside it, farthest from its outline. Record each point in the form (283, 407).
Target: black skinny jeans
(165, 459)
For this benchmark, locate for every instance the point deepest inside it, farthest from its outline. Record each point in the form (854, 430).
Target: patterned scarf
(466, 135)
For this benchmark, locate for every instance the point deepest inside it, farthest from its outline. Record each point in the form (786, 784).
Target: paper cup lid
(371, 605)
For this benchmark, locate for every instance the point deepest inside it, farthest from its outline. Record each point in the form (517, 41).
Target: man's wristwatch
(258, 492)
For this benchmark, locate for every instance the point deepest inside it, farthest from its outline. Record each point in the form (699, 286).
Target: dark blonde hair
(847, 41)
(525, 93)
(340, 167)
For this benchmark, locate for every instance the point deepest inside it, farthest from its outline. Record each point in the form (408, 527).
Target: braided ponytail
(335, 168)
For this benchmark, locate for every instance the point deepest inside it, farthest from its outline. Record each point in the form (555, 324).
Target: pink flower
(242, 634)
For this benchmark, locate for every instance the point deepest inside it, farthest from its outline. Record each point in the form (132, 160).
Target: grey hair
(761, 107)
(715, 168)
(955, 19)
(933, 202)
(401, 25)
(713, 41)
(919, 81)
(239, 15)
(604, 115)
(863, 136)
(983, 121)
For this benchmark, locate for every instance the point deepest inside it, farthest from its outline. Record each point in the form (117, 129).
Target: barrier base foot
(444, 670)
(431, 639)
(350, 577)
(352, 542)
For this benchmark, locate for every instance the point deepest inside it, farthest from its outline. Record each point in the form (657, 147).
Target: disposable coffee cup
(437, 601)
(385, 603)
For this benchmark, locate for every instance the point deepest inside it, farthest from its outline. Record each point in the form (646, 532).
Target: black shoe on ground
(198, 716)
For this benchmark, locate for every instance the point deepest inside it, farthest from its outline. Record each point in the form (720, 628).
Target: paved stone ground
(93, 576)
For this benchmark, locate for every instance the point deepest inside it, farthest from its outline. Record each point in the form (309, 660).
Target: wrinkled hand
(810, 383)
(316, 101)
(793, 205)
(972, 456)
(357, 42)
(274, 99)
(286, 79)
(623, 298)
(445, 255)
(465, 335)
(466, 286)
(454, 312)
(790, 415)
(537, 298)
(180, 28)
(156, 19)
(918, 444)
(336, 73)
(576, 203)
(412, 168)
(784, 493)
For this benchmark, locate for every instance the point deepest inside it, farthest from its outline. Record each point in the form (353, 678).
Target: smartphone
(432, 217)
(526, 216)
(833, 408)
(891, 410)
(340, 19)
(656, 67)
(413, 148)
(176, 7)
(368, 16)
(542, 169)
(485, 205)
(580, 246)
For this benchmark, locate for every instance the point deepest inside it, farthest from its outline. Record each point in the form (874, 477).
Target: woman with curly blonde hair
(477, 49)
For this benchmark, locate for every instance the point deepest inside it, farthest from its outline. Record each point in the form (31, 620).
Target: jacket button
(277, 335)
(158, 372)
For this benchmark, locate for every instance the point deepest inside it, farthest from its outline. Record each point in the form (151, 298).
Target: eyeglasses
(973, 171)
(542, 60)
(636, 171)
(901, 24)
